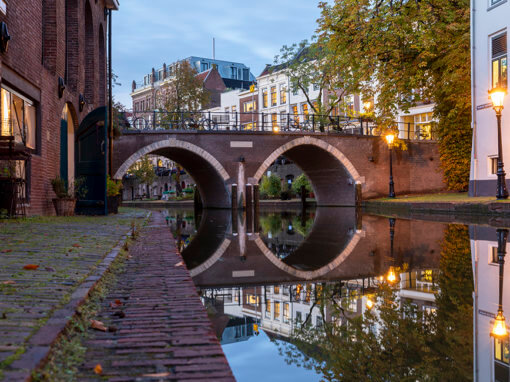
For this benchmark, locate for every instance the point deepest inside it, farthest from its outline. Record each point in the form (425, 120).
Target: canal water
(331, 294)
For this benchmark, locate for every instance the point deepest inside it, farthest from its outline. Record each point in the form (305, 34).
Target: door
(90, 159)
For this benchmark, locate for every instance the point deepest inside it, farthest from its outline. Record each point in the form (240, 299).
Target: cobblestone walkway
(162, 328)
(63, 251)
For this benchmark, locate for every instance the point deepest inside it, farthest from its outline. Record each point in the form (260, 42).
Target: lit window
(234, 109)
(274, 120)
(304, 107)
(268, 308)
(501, 351)
(276, 310)
(286, 315)
(283, 95)
(249, 106)
(264, 98)
(499, 61)
(18, 118)
(423, 125)
(273, 96)
(276, 290)
(494, 255)
(250, 126)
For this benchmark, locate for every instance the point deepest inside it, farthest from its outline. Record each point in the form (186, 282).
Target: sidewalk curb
(40, 343)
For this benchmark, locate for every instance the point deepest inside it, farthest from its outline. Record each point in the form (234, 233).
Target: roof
(112, 4)
(276, 68)
(203, 75)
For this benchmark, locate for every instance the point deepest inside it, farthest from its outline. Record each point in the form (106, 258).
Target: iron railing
(157, 120)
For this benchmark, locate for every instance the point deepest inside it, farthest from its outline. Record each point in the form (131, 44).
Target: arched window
(72, 44)
(50, 34)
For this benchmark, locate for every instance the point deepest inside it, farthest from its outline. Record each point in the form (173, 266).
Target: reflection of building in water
(491, 355)
(278, 309)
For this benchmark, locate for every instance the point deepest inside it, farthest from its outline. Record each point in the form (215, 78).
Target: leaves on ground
(179, 264)
(31, 267)
(98, 325)
(157, 375)
(8, 282)
(98, 369)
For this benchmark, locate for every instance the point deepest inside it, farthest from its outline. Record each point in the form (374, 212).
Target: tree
(185, 92)
(120, 122)
(406, 52)
(270, 186)
(143, 170)
(301, 180)
(307, 68)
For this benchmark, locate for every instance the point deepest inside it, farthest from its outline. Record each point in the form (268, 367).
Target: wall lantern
(5, 37)
(81, 102)
(61, 87)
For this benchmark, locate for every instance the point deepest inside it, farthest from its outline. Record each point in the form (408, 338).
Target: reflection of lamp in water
(392, 277)
(499, 328)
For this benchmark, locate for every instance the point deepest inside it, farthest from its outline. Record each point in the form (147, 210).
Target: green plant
(113, 187)
(270, 186)
(301, 180)
(69, 190)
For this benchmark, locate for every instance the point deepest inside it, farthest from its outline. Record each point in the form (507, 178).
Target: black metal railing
(157, 120)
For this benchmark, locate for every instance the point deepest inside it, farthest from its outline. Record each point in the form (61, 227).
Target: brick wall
(32, 65)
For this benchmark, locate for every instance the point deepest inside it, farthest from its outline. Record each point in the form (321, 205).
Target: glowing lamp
(497, 96)
(389, 139)
(391, 277)
(499, 328)
(275, 128)
(370, 303)
(367, 105)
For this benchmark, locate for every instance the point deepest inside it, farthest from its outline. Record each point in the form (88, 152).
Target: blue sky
(148, 33)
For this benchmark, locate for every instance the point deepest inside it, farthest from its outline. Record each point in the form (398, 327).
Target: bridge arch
(206, 170)
(331, 173)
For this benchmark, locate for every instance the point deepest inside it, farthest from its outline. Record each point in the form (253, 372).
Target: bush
(285, 195)
(113, 187)
(301, 180)
(270, 186)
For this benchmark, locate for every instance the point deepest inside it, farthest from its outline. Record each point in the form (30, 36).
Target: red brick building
(53, 44)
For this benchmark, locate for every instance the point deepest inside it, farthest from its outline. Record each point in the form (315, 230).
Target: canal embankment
(443, 207)
(270, 203)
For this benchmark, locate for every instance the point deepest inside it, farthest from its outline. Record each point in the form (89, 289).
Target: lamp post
(499, 328)
(392, 277)
(389, 139)
(497, 96)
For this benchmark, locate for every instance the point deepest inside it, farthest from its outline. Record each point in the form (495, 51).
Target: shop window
(273, 96)
(499, 61)
(501, 351)
(19, 118)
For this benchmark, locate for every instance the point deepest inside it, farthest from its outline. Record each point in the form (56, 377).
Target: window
(315, 87)
(160, 75)
(276, 310)
(283, 118)
(234, 108)
(264, 98)
(295, 91)
(349, 105)
(249, 106)
(276, 290)
(274, 121)
(268, 308)
(299, 317)
(18, 118)
(283, 95)
(233, 73)
(286, 315)
(501, 351)
(423, 124)
(318, 321)
(494, 2)
(304, 108)
(251, 298)
(204, 66)
(493, 163)
(250, 126)
(499, 61)
(273, 96)
(493, 255)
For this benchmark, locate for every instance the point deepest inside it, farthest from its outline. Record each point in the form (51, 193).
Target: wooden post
(256, 208)
(249, 208)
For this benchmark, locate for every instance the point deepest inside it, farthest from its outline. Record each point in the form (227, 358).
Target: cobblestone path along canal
(162, 328)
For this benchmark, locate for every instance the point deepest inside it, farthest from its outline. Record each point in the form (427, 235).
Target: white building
(490, 21)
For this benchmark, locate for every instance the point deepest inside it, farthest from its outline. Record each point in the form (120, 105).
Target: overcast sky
(148, 33)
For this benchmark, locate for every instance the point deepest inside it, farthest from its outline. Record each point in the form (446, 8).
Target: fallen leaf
(31, 267)
(98, 369)
(8, 282)
(157, 375)
(179, 264)
(98, 325)
(6, 250)
(77, 245)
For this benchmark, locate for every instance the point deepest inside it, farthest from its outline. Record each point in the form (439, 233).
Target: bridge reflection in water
(347, 294)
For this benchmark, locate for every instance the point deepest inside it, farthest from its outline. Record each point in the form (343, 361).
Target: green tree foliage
(407, 52)
(271, 223)
(395, 341)
(270, 186)
(301, 180)
(186, 92)
(143, 170)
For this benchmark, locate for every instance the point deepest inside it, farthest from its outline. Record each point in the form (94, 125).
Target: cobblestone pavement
(64, 251)
(162, 331)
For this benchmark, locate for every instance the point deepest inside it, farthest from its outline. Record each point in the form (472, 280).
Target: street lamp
(497, 97)
(391, 277)
(370, 303)
(389, 139)
(499, 328)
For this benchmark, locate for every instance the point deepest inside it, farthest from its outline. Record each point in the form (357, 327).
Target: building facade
(53, 73)
(489, 27)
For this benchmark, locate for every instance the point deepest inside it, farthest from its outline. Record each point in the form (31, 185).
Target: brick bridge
(340, 167)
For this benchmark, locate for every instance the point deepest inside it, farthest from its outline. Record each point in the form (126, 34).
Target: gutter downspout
(110, 100)
(474, 151)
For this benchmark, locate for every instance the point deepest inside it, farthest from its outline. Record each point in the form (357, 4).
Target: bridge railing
(157, 120)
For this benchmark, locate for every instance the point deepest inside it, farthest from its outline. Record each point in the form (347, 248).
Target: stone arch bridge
(341, 168)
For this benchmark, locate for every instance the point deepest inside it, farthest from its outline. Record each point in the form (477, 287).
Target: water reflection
(354, 297)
